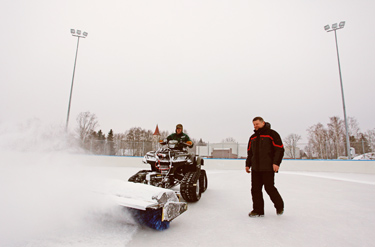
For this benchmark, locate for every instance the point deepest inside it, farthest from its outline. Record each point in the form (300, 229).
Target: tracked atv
(172, 165)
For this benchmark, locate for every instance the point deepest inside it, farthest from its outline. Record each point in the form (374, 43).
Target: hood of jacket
(266, 126)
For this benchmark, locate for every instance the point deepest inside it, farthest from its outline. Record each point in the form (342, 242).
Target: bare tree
(353, 128)
(330, 143)
(120, 144)
(370, 135)
(291, 142)
(164, 134)
(336, 133)
(309, 151)
(317, 140)
(139, 140)
(87, 122)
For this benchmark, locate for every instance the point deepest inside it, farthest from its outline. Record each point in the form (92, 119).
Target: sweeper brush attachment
(151, 206)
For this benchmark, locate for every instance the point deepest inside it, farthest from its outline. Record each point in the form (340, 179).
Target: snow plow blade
(150, 205)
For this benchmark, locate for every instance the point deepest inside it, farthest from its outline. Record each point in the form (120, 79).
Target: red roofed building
(155, 138)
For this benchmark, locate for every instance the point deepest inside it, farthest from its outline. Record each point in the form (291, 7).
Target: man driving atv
(182, 138)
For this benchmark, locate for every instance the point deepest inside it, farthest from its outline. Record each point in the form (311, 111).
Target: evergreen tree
(101, 136)
(110, 143)
(110, 136)
(100, 143)
(94, 135)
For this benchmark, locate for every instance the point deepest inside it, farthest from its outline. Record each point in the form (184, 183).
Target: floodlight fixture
(78, 35)
(334, 28)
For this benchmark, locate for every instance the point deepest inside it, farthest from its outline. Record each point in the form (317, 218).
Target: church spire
(157, 133)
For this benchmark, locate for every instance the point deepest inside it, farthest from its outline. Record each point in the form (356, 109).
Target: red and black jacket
(265, 148)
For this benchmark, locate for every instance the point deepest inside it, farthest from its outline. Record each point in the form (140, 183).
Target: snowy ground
(45, 203)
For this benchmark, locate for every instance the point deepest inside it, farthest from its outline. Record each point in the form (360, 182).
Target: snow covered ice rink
(320, 210)
(44, 203)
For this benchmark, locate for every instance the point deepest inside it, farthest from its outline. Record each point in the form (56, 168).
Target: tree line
(133, 142)
(329, 142)
(324, 142)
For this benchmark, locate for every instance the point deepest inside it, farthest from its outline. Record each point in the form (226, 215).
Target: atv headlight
(172, 144)
(149, 157)
(180, 158)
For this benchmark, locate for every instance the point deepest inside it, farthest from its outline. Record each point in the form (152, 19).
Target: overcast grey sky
(211, 65)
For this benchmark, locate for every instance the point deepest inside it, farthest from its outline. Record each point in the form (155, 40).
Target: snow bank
(367, 156)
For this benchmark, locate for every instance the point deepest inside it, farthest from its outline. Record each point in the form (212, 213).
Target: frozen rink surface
(321, 209)
(46, 205)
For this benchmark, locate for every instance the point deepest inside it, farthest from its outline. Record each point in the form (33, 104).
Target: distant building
(156, 138)
(223, 153)
(292, 153)
(238, 150)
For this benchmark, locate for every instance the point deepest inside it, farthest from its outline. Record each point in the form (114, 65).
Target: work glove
(163, 142)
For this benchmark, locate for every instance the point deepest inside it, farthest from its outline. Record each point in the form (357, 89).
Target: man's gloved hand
(189, 143)
(163, 141)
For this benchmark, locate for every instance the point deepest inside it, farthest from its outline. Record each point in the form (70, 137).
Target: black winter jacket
(265, 148)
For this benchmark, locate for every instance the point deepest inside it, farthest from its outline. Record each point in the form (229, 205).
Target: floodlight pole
(342, 92)
(78, 35)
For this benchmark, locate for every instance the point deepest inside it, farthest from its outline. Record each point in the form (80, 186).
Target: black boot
(255, 214)
(279, 211)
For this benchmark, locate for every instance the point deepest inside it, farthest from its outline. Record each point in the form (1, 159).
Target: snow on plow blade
(163, 204)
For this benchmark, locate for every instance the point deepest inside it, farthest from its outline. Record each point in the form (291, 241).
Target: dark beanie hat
(179, 126)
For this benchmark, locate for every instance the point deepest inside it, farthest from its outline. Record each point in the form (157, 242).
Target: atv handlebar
(165, 142)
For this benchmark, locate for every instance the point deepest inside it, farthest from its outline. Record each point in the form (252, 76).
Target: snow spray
(45, 191)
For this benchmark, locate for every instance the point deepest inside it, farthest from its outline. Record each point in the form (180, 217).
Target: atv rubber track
(203, 182)
(188, 187)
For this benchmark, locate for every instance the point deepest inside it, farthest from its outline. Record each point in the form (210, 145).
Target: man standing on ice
(264, 155)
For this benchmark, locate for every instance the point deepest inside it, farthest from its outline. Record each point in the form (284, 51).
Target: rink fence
(346, 166)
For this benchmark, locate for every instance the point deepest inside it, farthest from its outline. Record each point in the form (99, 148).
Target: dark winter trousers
(258, 179)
